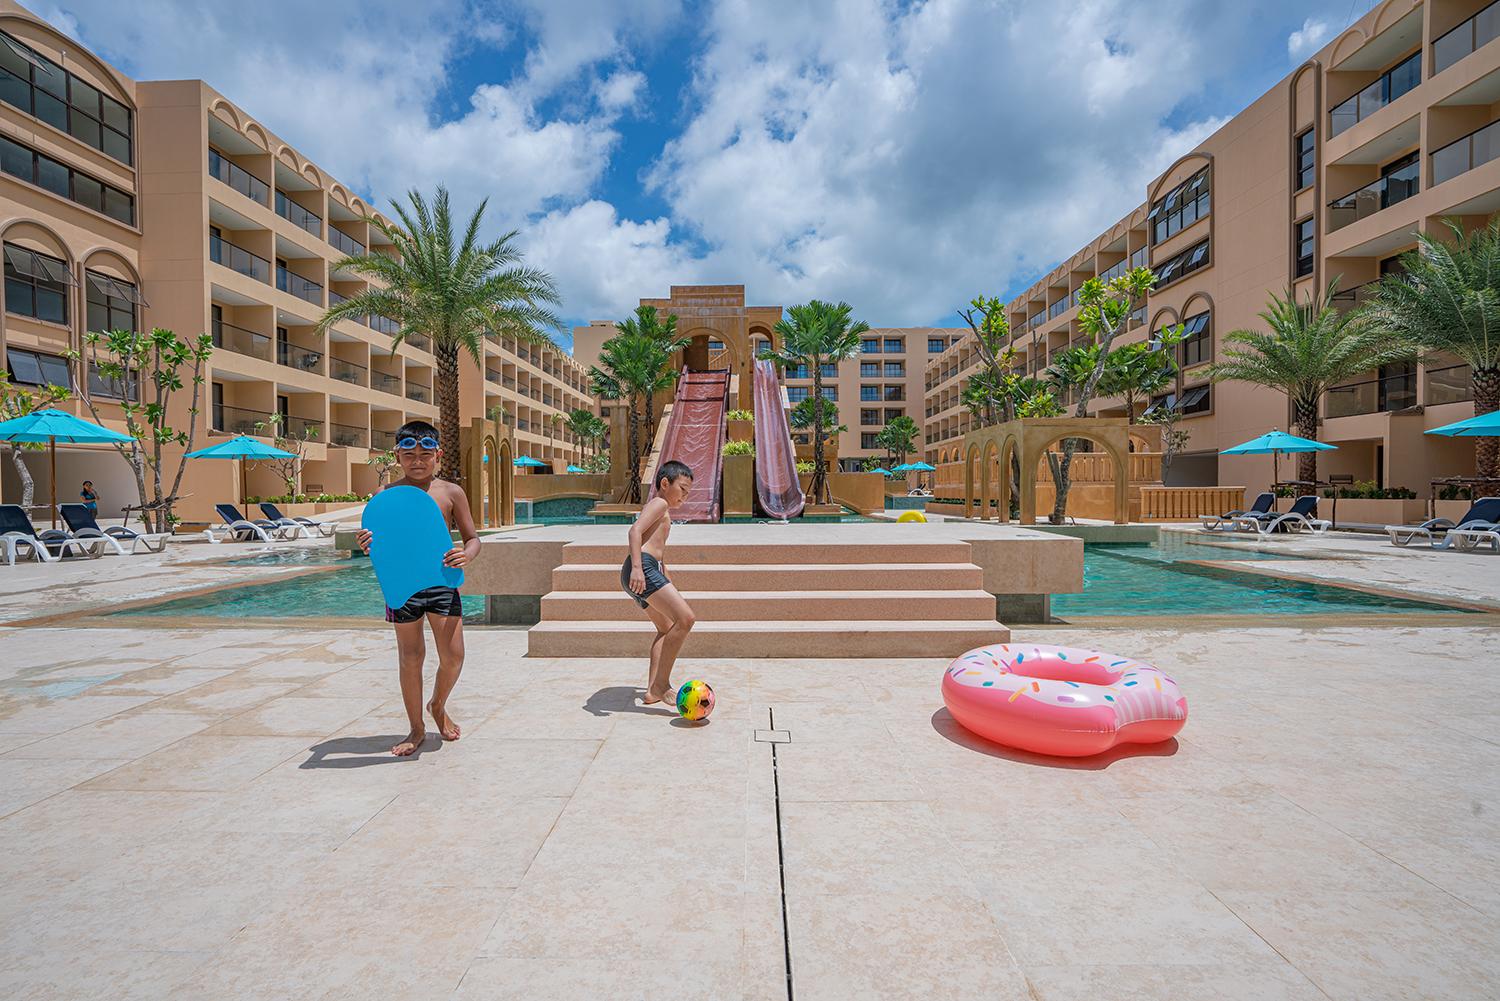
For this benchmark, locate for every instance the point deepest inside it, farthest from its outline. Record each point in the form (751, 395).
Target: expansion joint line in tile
(786, 937)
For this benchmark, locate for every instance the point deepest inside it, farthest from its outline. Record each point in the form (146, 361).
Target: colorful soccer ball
(695, 700)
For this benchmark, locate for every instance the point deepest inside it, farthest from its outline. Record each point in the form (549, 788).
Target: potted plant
(741, 424)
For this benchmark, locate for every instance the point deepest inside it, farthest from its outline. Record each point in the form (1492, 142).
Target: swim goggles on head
(427, 441)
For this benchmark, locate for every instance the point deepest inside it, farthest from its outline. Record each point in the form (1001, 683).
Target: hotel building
(164, 204)
(1391, 128)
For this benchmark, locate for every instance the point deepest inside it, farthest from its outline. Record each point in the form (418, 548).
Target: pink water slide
(776, 485)
(695, 435)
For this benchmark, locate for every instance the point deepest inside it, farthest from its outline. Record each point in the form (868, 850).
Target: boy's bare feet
(445, 724)
(410, 744)
(665, 695)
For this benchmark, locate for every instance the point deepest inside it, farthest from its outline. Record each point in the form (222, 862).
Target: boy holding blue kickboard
(405, 532)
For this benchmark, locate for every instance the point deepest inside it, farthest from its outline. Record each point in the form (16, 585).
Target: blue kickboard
(409, 539)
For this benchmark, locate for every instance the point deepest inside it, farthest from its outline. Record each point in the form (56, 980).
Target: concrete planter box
(741, 430)
(308, 510)
(739, 484)
(1370, 512)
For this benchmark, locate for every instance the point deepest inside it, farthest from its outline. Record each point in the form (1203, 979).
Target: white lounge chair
(83, 525)
(47, 546)
(1226, 522)
(1438, 533)
(1469, 539)
(1303, 515)
(241, 529)
(272, 512)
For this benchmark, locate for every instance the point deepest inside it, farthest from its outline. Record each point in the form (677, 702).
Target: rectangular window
(891, 413)
(895, 345)
(869, 369)
(1392, 84)
(111, 303)
(870, 346)
(869, 440)
(31, 368)
(869, 392)
(36, 85)
(831, 393)
(28, 165)
(869, 418)
(894, 393)
(1182, 264)
(36, 285)
(895, 370)
(715, 345)
(1306, 236)
(1196, 401)
(797, 372)
(115, 388)
(936, 345)
(1305, 156)
(830, 370)
(796, 394)
(1182, 206)
(1197, 344)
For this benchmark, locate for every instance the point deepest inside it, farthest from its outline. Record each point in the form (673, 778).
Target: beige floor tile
(203, 763)
(97, 975)
(24, 781)
(64, 714)
(672, 978)
(858, 848)
(228, 696)
(126, 736)
(1270, 981)
(160, 681)
(291, 715)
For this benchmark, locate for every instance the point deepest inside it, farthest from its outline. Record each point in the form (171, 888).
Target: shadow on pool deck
(944, 723)
(374, 750)
(621, 699)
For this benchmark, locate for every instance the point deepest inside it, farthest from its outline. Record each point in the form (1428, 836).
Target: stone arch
(1348, 42)
(226, 113)
(117, 82)
(51, 240)
(1208, 301)
(1156, 318)
(989, 463)
(1161, 182)
(312, 174)
(506, 476)
(255, 133)
(117, 259)
(1007, 453)
(1117, 452)
(336, 191)
(971, 459)
(1388, 13)
(285, 154)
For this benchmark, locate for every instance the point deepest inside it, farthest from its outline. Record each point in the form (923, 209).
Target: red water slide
(776, 484)
(695, 435)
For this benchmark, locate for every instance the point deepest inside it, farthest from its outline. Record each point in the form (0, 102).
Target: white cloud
(1308, 39)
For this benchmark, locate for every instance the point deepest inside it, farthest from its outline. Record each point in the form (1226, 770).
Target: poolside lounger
(240, 529)
(16, 530)
(1483, 514)
(271, 511)
(1226, 522)
(1470, 539)
(83, 525)
(1303, 514)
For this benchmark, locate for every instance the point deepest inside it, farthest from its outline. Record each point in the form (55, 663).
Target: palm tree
(631, 366)
(452, 288)
(580, 421)
(899, 437)
(649, 324)
(1311, 347)
(1448, 299)
(812, 335)
(1139, 371)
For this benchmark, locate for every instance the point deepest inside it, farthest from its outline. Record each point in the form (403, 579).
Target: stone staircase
(778, 599)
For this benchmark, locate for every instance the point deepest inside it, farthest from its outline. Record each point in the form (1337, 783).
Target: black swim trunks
(651, 570)
(440, 600)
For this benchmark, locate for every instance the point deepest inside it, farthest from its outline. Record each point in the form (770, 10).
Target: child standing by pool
(418, 452)
(644, 578)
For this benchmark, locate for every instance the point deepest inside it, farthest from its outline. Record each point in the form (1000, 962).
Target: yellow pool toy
(912, 516)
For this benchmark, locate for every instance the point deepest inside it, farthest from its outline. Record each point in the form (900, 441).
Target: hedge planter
(1363, 511)
(741, 430)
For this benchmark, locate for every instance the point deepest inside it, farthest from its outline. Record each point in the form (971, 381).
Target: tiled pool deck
(194, 813)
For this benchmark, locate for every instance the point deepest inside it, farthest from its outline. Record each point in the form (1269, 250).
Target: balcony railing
(420, 394)
(298, 216)
(1477, 31)
(1373, 396)
(221, 251)
(241, 341)
(344, 242)
(1474, 150)
(492, 376)
(1391, 85)
(349, 436)
(383, 440)
(386, 382)
(1392, 189)
(238, 177)
(237, 420)
(350, 372)
(1451, 384)
(302, 288)
(1354, 296)
(306, 428)
(1059, 307)
(295, 356)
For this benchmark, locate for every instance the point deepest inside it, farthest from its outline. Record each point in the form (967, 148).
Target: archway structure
(987, 452)
(489, 475)
(718, 313)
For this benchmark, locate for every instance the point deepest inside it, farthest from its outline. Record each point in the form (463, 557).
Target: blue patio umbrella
(905, 467)
(527, 461)
(1478, 426)
(882, 470)
(241, 448)
(52, 426)
(576, 469)
(1275, 443)
(922, 467)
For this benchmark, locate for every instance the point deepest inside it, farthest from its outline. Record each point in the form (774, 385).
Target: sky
(903, 156)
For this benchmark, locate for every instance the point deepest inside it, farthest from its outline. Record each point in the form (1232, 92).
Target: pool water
(1119, 580)
(1159, 579)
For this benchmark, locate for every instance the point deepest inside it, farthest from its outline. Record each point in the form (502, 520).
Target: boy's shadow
(622, 699)
(361, 752)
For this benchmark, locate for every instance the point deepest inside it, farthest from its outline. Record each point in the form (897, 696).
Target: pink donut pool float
(1061, 701)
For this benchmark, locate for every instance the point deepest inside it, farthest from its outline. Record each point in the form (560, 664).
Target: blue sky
(902, 156)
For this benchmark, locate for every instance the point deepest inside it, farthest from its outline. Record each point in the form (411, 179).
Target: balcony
(1373, 396)
(386, 325)
(1392, 189)
(348, 436)
(1392, 84)
(385, 441)
(302, 288)
(1476, 32)
(305, 428)
(348, 371)
(238, 178)
(419, 341)
(419, 394)
(386, 383)
(289, 210)
(342, 241)
(235, 258)
(491, 375)
(237, 420)
(300, 358)
(1355, 296)
(1451, 384)
(228, 337)
(1474, 150)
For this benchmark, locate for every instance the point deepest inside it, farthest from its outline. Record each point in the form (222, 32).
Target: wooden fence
(1188, 503)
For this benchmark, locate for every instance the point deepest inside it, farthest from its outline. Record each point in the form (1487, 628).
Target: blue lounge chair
(83, 525)
(1225, 522)
(17, 532)
(271, 511)
(238, 528)
(1303, 515)
(1481, 516)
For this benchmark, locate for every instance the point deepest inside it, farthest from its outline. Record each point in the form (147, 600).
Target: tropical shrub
(738, 448)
